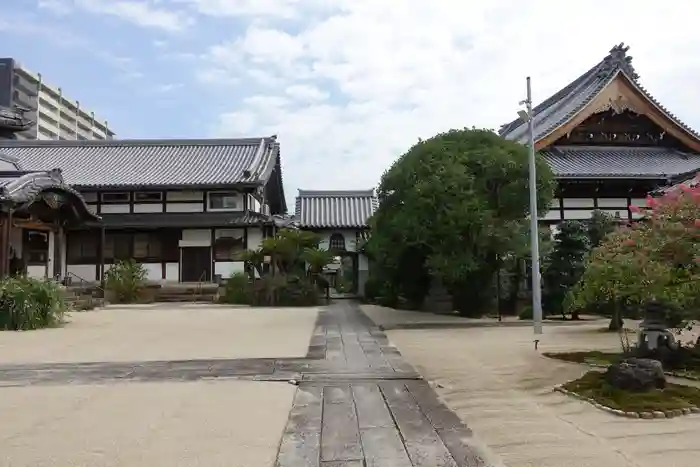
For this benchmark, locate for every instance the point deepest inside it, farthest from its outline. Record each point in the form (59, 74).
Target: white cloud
(144, 13)
(306, 92)
(397, 74)
(285, 9)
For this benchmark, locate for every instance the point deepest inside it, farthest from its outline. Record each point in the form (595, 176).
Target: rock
(659, 414)
(646, 415)
(631, 415)
(636, 374)
(687, 411)
(677, 412)
(695, 410)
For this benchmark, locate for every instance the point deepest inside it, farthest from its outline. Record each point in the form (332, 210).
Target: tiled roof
(335, 209)
(22, 188)
(185, 219)
(619, 162)
(691, 182)
(143, 163)
(566, 103)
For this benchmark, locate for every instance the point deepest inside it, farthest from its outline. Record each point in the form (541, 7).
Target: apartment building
(55, 116)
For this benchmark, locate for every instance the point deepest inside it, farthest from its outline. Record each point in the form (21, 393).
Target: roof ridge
(616, 60)
(335, 193)
(593, 147)
(138, 142)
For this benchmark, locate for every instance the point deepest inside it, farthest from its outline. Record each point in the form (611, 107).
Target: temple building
(608, 142)
(185, 209)
(13, 121)
(340, 218)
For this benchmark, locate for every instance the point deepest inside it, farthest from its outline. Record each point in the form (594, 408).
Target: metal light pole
(534, 230)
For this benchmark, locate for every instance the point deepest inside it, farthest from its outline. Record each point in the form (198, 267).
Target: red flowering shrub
(655, 259)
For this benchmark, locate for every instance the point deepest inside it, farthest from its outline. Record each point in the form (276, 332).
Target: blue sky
(347, 87)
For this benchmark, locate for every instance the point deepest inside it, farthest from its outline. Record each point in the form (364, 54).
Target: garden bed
(600, 359)
(591, 357)
(675, 400)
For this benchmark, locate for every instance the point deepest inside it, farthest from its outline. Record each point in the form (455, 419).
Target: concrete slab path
(358, 403)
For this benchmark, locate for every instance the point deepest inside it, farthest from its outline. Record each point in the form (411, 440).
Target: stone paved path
(358, 402)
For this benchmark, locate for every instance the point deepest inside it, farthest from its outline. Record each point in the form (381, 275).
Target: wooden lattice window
(337, 242)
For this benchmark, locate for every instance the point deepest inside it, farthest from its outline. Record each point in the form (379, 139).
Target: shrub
(238, 289)
(27, 303)
(284, 291)
(526, 313)
(125, 280)
(373, 288)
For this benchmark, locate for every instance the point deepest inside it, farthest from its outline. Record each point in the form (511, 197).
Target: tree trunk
(616, 322)
(575, 315)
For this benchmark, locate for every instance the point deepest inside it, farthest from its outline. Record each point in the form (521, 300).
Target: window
(36, 247)
(229, 244)
(82, 248)
(117, 246)
(148, 196)
(337, 242)
(115, 197)
(147, 245)
(230, 201)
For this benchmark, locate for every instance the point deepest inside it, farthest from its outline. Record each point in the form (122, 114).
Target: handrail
(82, 279)
(198, 289)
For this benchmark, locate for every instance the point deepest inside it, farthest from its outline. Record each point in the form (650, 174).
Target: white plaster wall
(579, 202)
(227, 268)
(196, 237)
(154, 271)
(172, 272)
(184, 207)
(578, 214)
(83, 271)
(51, 255)
(36, 272)
(554, 214)
(350, 238)
(148, 208)
(115, 209)
(184, 196)
(612, 203)
(255, 238)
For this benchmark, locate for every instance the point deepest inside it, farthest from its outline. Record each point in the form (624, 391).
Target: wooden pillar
(5, 244)
(60, 268)
(102, 256)
(8, 241)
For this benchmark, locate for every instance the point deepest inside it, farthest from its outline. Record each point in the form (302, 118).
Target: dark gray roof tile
(185, 219)
(559, 108)
(142, 163)
(612, 162)
(335, 209)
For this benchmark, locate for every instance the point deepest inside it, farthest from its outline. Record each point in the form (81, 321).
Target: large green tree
(452, 208)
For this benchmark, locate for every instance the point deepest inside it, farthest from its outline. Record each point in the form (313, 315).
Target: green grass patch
(591, 356)
(592, 385)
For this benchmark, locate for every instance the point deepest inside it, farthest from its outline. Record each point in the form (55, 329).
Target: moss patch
(592, 385)
(592, 356)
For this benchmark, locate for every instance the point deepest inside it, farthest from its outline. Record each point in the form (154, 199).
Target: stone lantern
(653, 330)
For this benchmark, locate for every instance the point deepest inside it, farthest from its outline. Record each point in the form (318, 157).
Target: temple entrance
(195, 264)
